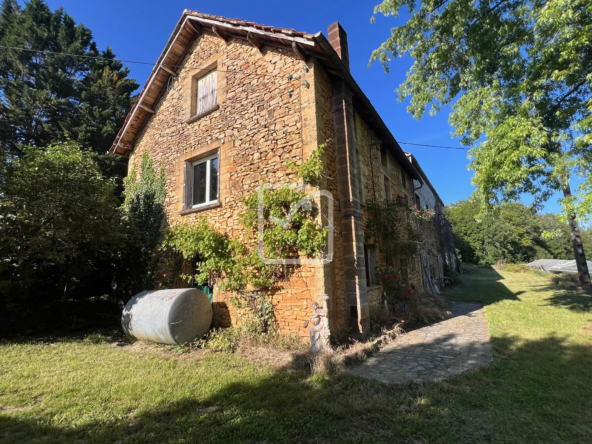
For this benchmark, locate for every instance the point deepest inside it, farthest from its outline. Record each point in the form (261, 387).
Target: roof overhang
(424, 177)
(193, 23)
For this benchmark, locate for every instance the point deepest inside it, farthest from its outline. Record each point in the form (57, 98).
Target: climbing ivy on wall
(390, 224)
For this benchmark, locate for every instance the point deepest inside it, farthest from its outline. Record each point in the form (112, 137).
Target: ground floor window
(204, 181)
(370, 258)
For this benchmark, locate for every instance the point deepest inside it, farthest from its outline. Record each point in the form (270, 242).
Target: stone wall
(373, 173)
(263, 120)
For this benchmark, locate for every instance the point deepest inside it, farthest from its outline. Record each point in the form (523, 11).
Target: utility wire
(436, 146)
(195, 68)
(38, 51)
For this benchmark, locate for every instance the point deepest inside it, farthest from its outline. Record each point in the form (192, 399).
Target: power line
(38, 51)
(82, 56)
(436, 146)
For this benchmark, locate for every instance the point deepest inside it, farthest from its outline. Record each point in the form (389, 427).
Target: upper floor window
(403, 179)
(206, 93)
(383, 157)
(204, 182)
(387, 188)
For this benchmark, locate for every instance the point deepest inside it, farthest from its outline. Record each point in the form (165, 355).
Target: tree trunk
(578, 247)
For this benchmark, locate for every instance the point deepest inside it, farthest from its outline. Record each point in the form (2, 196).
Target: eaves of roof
(304, 45)
(424, 176)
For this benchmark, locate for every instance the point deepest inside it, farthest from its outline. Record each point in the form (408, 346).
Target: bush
(222, 340)
(65, 242)
(565, 280)
(517, 268)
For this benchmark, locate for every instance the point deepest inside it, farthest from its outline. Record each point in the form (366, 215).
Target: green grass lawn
(539, 388)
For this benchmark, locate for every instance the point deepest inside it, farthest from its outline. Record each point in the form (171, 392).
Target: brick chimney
(338, 40)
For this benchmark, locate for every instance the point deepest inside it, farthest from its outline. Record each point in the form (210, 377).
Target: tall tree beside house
(518, 76)
(62, 237)
(47, 97)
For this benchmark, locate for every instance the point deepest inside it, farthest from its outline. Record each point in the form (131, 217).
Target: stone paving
(450, 347)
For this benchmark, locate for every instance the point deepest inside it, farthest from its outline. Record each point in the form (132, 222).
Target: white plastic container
(168, 316)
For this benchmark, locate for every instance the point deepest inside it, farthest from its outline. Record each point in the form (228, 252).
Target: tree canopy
(518, 75)
(512, 232)
(48, 97)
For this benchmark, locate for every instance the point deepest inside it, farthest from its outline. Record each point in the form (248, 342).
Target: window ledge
(200, 209)
(205, 113)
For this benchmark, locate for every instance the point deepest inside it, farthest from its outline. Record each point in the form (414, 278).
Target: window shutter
(188, 185)
(207, 88)
(213, 89)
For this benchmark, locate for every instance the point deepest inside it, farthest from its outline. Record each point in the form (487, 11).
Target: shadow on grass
(581, 303)
(536, 391)
(482, 284)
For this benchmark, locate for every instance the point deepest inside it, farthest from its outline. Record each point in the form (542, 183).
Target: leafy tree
(518, 76)
(144, 208)
(512, 232)
(47, 97)
(61, 232)
(509, 233)
(65, 236)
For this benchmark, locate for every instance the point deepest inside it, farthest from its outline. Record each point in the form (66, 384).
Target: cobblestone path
(453, 346)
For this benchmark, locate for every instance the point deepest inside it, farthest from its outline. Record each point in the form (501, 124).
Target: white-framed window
(206, 93)
(204, 184)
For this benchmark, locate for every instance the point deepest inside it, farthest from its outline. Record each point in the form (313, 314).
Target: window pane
(213, 179)
(199, 183)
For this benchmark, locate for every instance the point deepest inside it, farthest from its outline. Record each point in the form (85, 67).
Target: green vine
(389, 223)
(289, 230)
(312, 170)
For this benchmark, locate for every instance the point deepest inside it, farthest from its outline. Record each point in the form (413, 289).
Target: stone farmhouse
(233, 101)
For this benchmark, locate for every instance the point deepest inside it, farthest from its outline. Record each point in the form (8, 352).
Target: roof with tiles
(304, 45)
(242, 23)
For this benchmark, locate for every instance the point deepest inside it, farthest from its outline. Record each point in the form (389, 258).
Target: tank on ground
(168, 316)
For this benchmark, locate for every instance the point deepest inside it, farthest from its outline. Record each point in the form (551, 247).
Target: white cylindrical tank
(168, 316)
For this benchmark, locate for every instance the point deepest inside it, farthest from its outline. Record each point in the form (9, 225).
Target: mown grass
(539, 388)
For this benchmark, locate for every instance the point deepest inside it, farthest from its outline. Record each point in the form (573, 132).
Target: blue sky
(138, 30)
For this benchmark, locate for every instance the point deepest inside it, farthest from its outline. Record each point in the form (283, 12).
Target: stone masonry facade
(274, 108)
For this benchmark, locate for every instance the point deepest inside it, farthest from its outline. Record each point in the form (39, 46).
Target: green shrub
(517, 268)
(221, 340)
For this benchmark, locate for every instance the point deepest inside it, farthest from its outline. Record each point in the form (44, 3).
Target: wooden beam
(335, 73)
(254, 40)
(220, 33)
(298, 52)
(169, 70)
(194, 26)
(146, 108)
